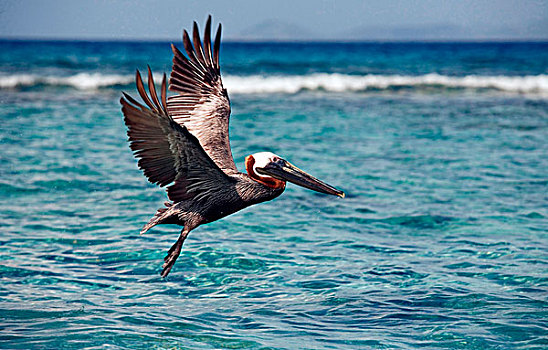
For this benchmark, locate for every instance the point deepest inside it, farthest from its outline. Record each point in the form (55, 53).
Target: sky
(277, 20)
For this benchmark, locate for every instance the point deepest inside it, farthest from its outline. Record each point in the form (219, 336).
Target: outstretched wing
(202, 103)
(168, 153)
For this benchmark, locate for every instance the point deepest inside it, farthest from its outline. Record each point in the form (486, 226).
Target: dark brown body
(193, 213)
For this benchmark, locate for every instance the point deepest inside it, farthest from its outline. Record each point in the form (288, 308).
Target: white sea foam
(341, 82)
(253, 84)
(82, 81)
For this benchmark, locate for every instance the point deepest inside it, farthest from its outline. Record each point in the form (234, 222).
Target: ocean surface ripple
(441, 242)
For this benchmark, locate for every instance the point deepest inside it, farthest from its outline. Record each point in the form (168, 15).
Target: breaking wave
(341, 82)
(333, 82)
(81, 81)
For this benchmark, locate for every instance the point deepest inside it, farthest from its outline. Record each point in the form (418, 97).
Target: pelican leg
(174, 252)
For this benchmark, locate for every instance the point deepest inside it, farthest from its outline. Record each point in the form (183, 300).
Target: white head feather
(261, 160)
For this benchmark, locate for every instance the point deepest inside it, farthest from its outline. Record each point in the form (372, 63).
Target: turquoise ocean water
(441, 242)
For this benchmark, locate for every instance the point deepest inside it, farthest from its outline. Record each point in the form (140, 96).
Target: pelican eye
(277, 160)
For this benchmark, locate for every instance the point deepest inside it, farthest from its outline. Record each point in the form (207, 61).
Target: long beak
(283, 170)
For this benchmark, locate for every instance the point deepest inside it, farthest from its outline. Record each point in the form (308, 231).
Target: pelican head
(273, 171)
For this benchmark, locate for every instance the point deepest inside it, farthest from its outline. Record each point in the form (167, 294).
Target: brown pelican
(182, 141)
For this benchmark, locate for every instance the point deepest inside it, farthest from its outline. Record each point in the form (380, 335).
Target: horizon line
(283, 41)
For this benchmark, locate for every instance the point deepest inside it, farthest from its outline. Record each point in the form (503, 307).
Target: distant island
(277, 30)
